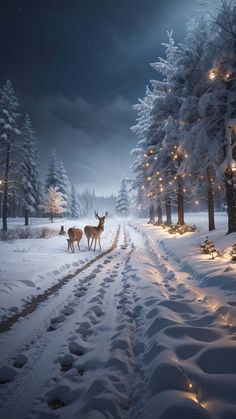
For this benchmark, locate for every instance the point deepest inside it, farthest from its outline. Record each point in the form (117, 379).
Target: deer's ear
(106, 214)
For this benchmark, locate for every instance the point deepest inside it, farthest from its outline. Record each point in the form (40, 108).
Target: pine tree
(64, 187)
(122, 202)
(8, 135)
(53, 175)
(53, 202)
(29, 170)
(74, 209)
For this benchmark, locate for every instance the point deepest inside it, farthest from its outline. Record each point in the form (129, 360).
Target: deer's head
(101, 219)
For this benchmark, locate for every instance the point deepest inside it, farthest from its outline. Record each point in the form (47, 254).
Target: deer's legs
(91, 244)
(99, 243)
(95, 244)
(88, 242)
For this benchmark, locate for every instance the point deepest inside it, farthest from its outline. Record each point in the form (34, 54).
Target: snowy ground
(140, 333)
(29, 266)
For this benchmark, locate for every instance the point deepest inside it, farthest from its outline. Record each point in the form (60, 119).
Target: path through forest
(125, 338)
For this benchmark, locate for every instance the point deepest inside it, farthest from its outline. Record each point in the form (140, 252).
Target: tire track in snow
(30, 307)
(46, 346)
(100, 317)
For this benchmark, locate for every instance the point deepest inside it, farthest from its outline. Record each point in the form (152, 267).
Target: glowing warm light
(212, 74)
(233, 167)
(149, 178)
(196, 202)
(185, 155)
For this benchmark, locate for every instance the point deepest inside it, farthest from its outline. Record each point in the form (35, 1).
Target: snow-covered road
(128, 338)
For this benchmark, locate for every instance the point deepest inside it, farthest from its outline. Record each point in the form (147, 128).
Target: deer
(75, 235)
(62, 231)
(94, 233)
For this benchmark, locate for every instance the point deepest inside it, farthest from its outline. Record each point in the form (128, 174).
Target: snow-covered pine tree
(198, 168)
(8, 135)
(64, 187)
(74, 205)
(53, 175)
(222, 99)
(29, 170)
(53, 202)
(141, 166)
(122, 202)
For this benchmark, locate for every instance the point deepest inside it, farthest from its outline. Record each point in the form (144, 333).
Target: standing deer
(93, 232)
(75, 235)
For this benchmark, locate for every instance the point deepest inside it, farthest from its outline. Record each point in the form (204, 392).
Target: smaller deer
(75, 235)
(94, 233)
(62, 231)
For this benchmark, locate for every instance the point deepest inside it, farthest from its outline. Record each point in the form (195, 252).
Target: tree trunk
(51, 216)
(151, 214)
(168, 211)
(5, 190)
(159, 214)
(210, 202)
(26, 217)
(180, 202)
(231, 203)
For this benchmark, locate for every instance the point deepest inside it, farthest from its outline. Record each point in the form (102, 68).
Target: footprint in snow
(7, 374)
(76, 349)
(67, 311)
(95, 300)
(20, 361)
(61, 396)
(108, 279)
(97, 310)
(66, 362)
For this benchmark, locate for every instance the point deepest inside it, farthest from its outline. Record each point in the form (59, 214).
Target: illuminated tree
(53, 203)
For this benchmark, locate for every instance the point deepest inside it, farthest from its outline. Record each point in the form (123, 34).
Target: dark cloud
(93, 142)
(78, 66)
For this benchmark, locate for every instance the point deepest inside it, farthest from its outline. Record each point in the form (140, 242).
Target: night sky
(77, 67)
